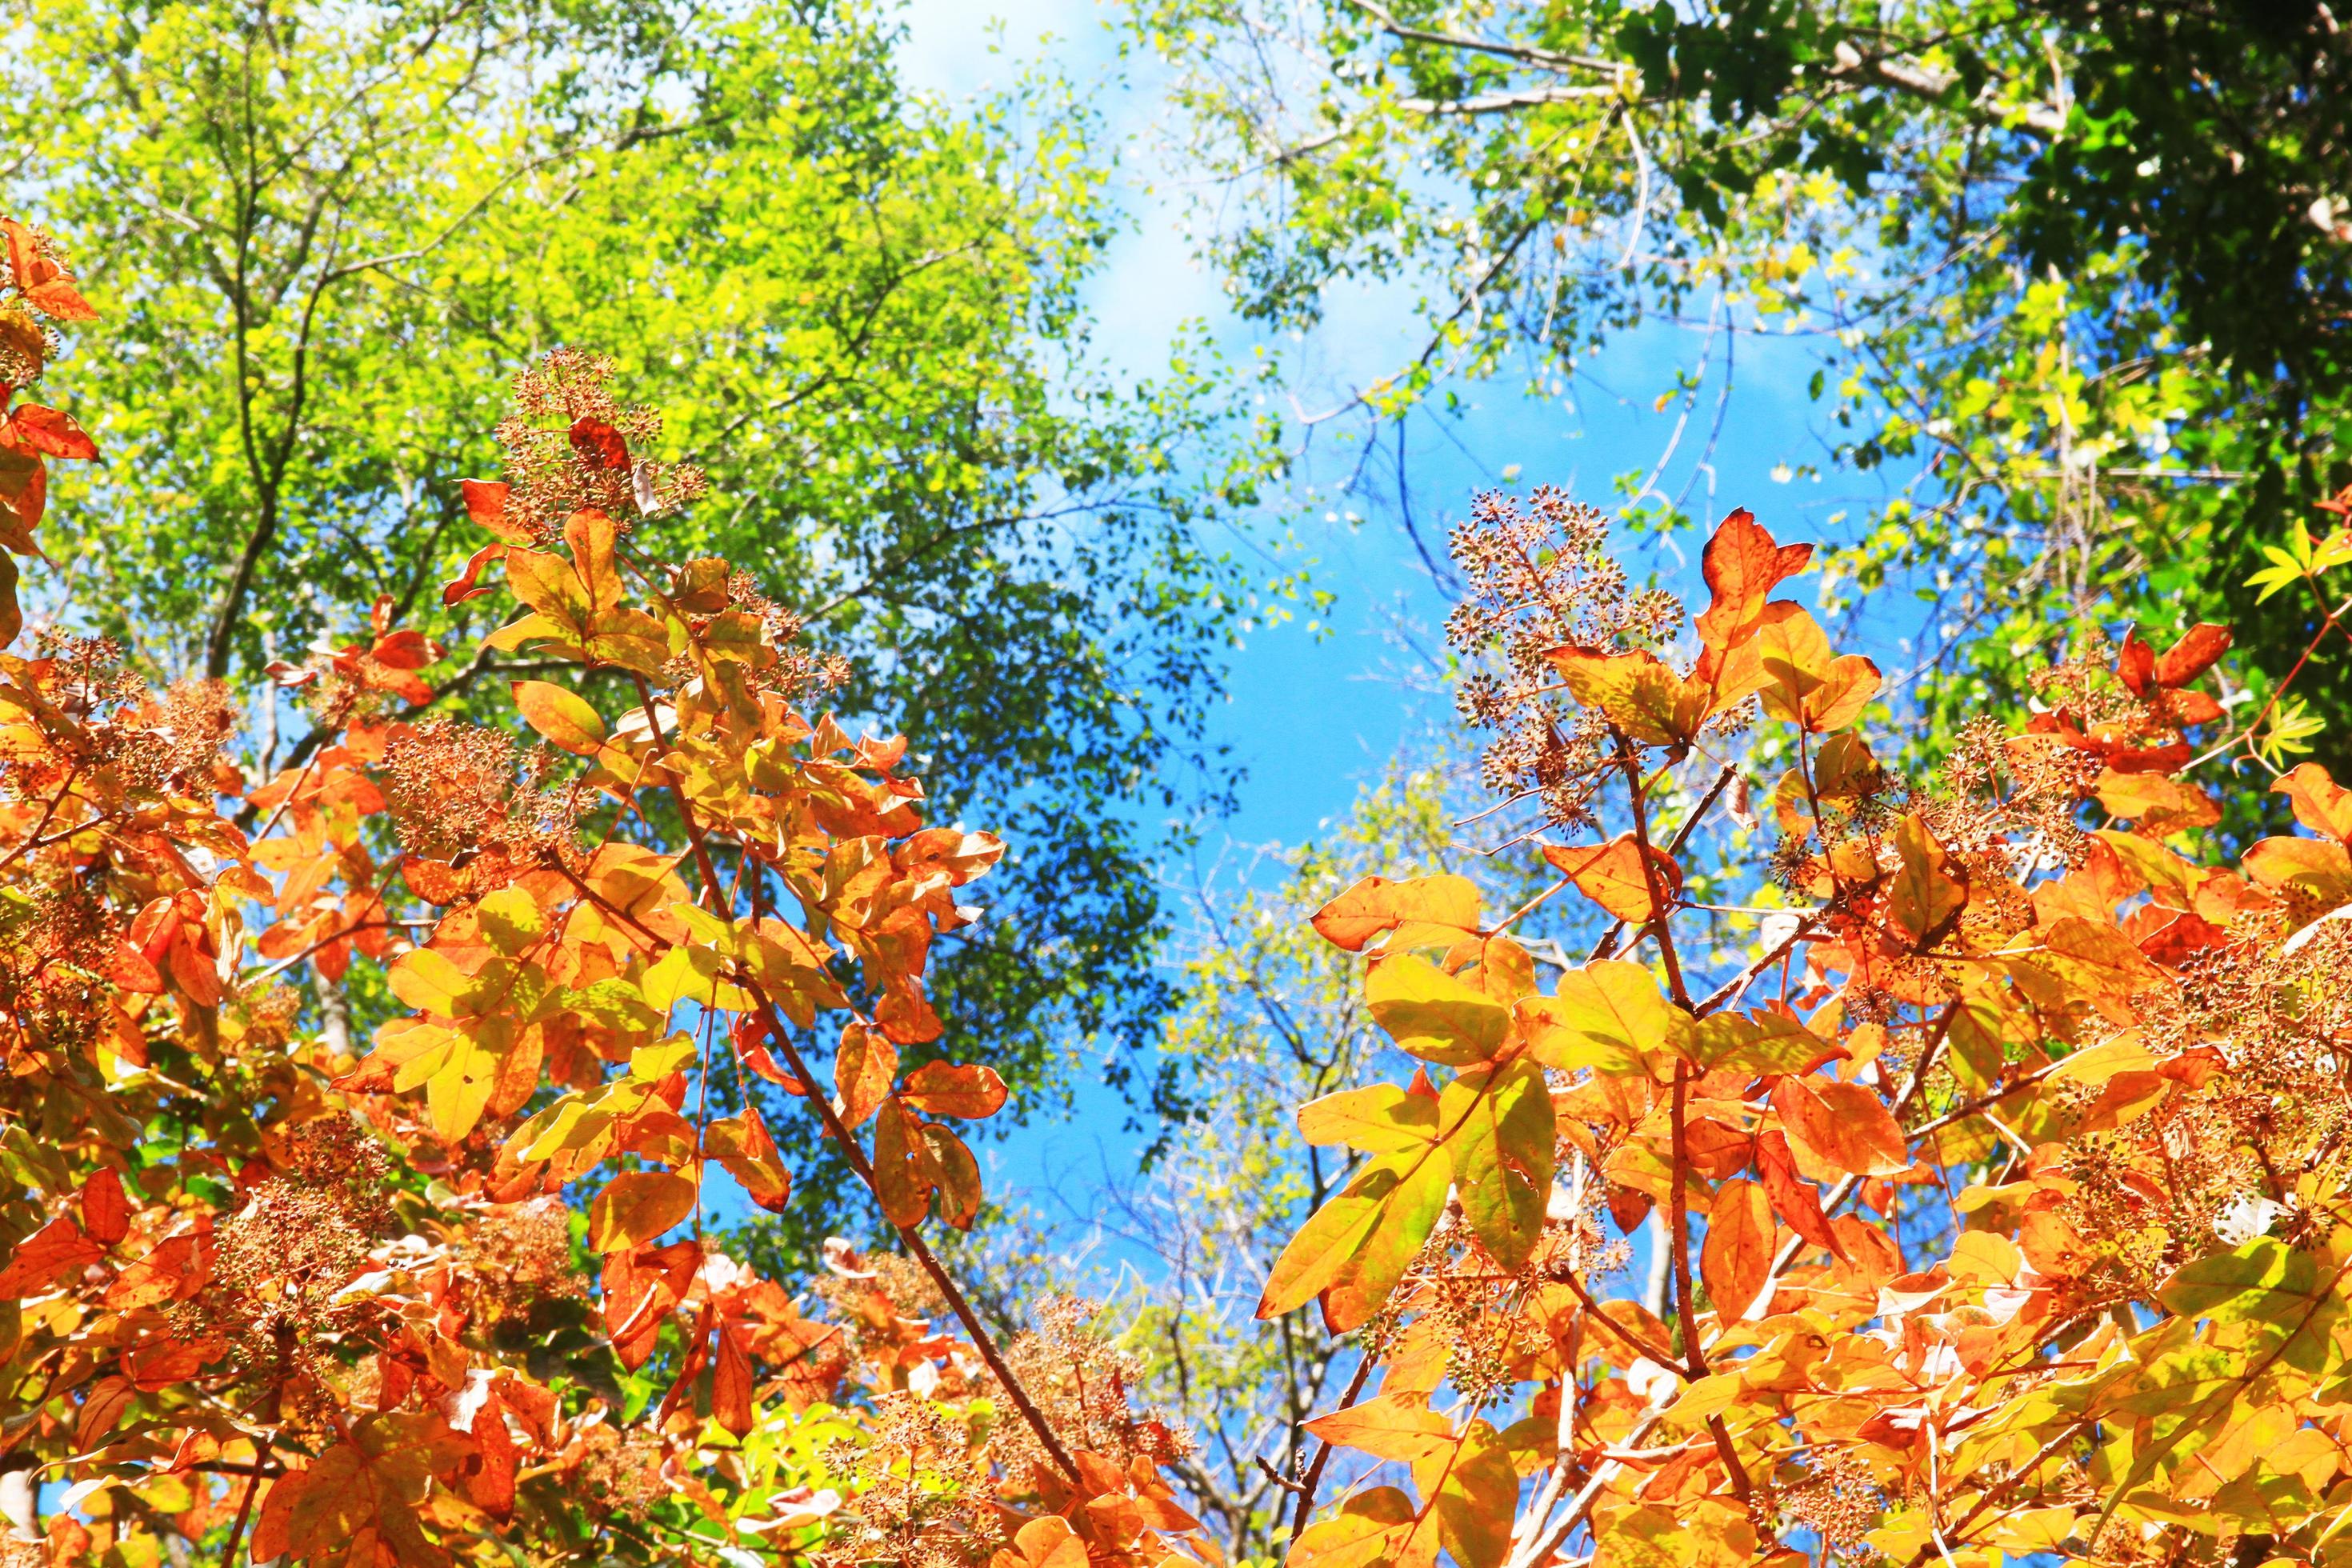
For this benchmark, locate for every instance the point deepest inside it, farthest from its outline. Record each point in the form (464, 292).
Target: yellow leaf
(1361, 1240)
(1608, 1015)
(1434, 1015)
(562, 715)
(1382, 1120)
(1501, 1146)
(636, 1207)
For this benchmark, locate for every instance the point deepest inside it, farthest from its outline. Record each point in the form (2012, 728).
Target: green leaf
(1502, 1146)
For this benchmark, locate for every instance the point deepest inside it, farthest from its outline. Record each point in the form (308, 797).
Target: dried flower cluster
(570, 447)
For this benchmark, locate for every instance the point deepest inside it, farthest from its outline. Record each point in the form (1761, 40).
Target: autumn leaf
(562, 716)
(1612, 876)
(1406, 1429)
(357, 1502)
(1376, 905)
(105, 1207)
(47, 431)
(968, 1091)
(2320, 803)
(635, 1207)
(1434, 1015)
(1608, 1015)
(48, 1254)
(1843, 1124)
(1501, 1143)
(1637, 693)
(730, 1382)
(1806, 682)
(1384, 1119)
(1930, 889)
(1361, 1240)
(2197, 651)
(468, 584)
(1742, 565)
(1738, 1256)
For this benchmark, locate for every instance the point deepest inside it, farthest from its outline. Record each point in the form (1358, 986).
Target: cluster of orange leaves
(269, 1290)
(1997, 1171)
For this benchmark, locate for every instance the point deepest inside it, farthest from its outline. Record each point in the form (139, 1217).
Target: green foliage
(2077, 294)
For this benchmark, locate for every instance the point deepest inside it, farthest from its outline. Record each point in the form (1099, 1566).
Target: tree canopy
(2075, 274)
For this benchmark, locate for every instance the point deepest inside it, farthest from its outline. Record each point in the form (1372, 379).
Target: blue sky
(1315, 712)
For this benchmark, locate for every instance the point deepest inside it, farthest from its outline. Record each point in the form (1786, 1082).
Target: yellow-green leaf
(1431, 1014)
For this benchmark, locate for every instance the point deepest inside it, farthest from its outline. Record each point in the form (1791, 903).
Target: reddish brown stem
(1314, 1477)
(855, 1152)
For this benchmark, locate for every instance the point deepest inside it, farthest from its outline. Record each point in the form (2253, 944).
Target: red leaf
(46, 1256)
(469, 583)
(47, 430)
(2135, 663)
(599, 444)
(405, 650)
(2193, 655)
(105, 1211)
(731, 1384)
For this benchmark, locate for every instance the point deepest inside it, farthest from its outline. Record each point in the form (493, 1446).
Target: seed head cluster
(571, 446)
(1539, 579)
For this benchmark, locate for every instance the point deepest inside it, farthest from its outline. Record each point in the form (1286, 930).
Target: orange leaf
(864, 1066)
(1806, 682)
(1404, 1429)
(105, 1211)
(2320, 803)
(1842, 1123)
(2157, 804)
(60, 300)
(1611, 876)
(971, 1092)
(468, 584)
(101, 1408)
(1793, 1198)
(1375, 904)
(485, 504)
(1742, 566)
(1737, 1256)
(176, 1269)
(50, 431)
(730, 1382)
(48, 1255)
(2310, 866)
(902, 1180)
(2193, 655)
